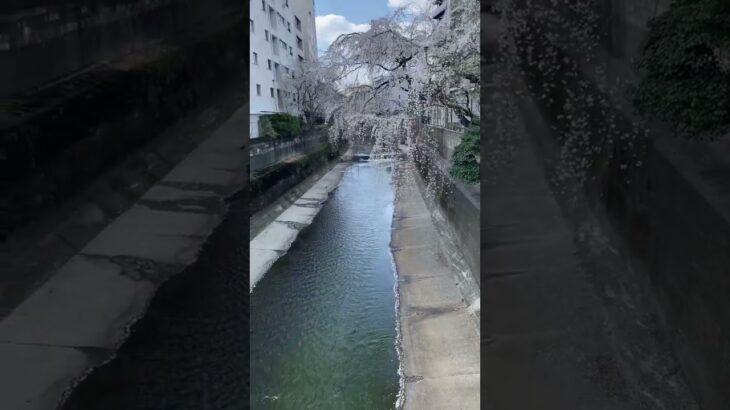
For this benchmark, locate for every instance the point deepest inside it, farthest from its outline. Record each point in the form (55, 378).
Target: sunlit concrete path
(440, 337)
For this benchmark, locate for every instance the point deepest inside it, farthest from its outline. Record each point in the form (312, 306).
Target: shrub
(464, 162)
(266, 129)
(684, 75)
(286, 125)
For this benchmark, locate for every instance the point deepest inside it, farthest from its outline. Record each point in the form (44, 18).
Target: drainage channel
(323, 318)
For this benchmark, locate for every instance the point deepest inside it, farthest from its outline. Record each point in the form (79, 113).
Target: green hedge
(280, 125)
(682, 80)
(464, 164)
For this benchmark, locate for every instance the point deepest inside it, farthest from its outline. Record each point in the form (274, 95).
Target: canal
(322, 322)
(323, 319)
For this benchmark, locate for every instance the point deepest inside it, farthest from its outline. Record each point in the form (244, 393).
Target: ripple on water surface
(323, 318)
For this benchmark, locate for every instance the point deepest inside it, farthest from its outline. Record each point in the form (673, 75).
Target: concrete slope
(77, 319)
(276, 238)
(439, 336)
(545, 343)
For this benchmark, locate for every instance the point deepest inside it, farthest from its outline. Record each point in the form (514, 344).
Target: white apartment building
(282, 34)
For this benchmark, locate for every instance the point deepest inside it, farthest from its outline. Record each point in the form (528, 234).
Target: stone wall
(55, 139)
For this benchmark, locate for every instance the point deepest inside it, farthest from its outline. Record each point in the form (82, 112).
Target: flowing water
(323, 324)
(323, 319)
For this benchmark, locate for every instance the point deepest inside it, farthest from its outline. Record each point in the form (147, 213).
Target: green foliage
(280, 125)
(266, 129)
(464, 164)
(684, 79)
(286, 125)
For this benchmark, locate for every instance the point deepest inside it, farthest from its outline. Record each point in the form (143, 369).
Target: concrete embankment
(56, 138)
(77, 319)
(261, 218)
(269, 184)
(662, 200)
(566, 315)
(275, 239)
(266, 154)
(439, 335)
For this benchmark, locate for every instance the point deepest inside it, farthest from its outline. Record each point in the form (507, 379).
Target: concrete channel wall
(275, 180)
(77, 319)
(55, 139)
(672, 213)
(447, 141)
(460, 205)
(266, 154)
(43, 40)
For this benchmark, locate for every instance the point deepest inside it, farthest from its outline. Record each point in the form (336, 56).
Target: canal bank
(439, 335)
(77, 319)
(277, 237)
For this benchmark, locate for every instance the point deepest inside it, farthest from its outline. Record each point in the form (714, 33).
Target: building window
(298, 23)
(272, 92)
(266, 34)
(288, 26)
(291, 52)
(258, 90)
(299, 42)
(255, 59)
(263, 5)
(269, 61)
(251, 25)
(301, 58)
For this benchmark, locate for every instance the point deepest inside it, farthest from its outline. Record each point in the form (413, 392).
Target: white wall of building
(273, 22)
(304, 10)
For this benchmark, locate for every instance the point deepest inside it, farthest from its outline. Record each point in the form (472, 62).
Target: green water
(323, 320)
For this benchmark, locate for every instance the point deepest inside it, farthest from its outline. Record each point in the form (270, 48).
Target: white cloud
(411, 5)
(331, 26)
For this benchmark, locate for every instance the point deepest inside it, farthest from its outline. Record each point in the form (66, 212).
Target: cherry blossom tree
(314, 94)
(433, 63)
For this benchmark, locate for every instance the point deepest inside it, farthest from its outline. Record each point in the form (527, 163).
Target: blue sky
(335, 17)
